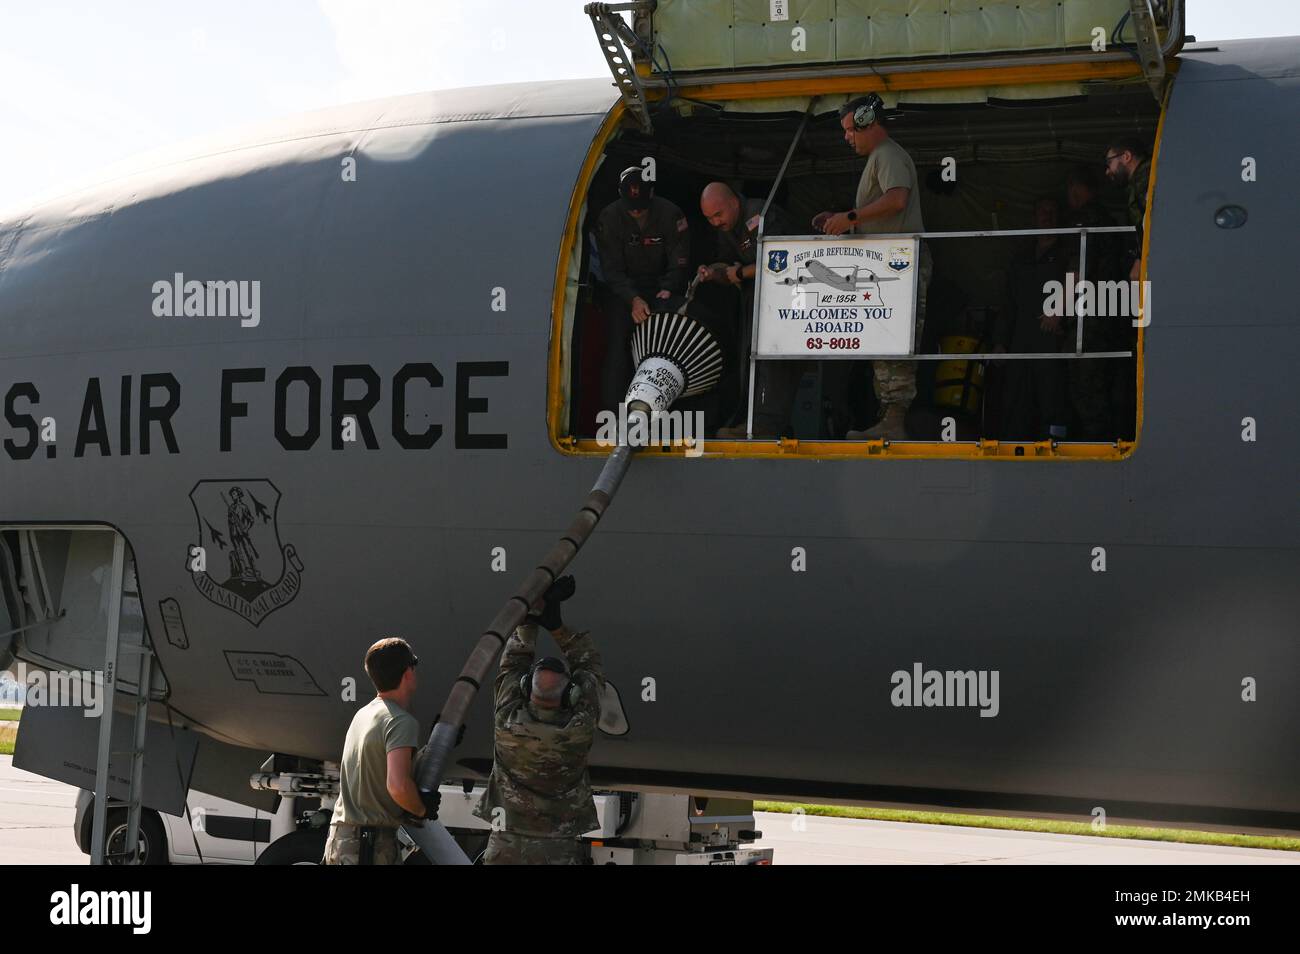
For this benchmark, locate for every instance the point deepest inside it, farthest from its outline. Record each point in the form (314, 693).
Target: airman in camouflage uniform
(538, 798)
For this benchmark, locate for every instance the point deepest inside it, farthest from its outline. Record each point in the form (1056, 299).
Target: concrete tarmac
(36, 817)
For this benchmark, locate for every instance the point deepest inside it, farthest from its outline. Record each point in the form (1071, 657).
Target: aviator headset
(634, 189)
(868, 111)
(572, 693)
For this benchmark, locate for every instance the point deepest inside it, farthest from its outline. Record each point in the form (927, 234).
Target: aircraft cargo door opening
(1034, 307)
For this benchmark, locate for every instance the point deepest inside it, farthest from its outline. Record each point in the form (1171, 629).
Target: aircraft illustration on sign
(819, 273)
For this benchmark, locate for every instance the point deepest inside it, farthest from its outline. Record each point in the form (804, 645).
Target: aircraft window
(997, 374)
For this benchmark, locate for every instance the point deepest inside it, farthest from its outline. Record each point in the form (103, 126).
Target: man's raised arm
(515, 661)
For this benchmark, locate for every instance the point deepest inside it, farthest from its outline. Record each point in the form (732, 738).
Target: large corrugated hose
(685, 359)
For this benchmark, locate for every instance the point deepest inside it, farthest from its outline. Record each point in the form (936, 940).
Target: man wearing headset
(644, 242)
(538, 800)
(888, 202)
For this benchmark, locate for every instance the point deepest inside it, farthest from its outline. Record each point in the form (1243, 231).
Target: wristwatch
(852, 214)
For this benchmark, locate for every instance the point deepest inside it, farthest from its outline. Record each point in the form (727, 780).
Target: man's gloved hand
(432, 801)
(547, 614)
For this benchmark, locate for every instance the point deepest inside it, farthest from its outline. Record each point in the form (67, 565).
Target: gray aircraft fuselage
(736, 673)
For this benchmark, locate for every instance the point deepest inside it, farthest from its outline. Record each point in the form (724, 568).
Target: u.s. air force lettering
(304, 408)
(846, 296)
(245, 568)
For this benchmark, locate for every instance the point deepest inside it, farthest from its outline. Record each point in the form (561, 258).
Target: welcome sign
(836, 297)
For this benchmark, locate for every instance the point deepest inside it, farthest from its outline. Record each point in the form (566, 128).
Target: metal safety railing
(1079, 314)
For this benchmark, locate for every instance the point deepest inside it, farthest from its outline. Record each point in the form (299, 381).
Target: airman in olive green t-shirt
(888, 202)
(380, 727)
(376, 783)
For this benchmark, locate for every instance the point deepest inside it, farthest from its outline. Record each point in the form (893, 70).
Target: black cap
(551, 664)
(635, 191)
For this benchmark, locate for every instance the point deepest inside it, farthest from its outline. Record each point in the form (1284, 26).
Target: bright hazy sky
(84, 83)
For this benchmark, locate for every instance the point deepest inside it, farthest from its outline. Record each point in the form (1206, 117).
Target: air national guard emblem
(777, 259)
(245, 567)
(900, 258)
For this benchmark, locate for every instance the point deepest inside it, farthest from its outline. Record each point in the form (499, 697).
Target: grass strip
(1047, 825)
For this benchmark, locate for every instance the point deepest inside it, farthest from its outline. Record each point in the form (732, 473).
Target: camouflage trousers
(896, 380)
(344, 846)
(509, 848)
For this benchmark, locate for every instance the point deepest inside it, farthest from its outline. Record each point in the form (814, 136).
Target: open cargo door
(683, 47)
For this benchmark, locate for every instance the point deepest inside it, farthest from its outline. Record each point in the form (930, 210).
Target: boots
(890, 427)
